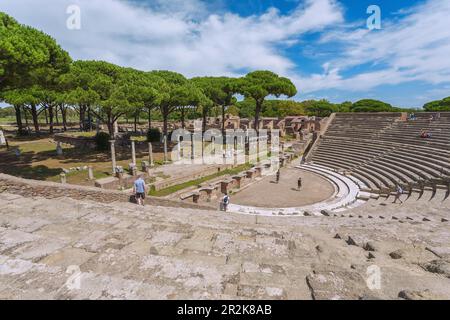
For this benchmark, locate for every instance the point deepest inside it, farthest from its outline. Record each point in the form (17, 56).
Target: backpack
(226, 199)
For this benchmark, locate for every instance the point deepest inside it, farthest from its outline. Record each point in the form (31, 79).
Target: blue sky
(324, 46)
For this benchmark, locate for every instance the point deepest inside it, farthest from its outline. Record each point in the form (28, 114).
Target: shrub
(102, 141)
(153, 135)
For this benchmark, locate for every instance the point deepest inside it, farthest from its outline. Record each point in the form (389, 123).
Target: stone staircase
(77, 249)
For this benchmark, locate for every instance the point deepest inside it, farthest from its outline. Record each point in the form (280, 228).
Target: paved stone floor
(267, 193)
(67, 249)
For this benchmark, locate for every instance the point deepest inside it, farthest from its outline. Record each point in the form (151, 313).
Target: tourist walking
(225, 202)
(278, 176)
(398, 194)
(299, 183)
(139, 189)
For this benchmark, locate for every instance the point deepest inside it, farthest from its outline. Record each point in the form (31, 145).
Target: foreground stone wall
(52, 190)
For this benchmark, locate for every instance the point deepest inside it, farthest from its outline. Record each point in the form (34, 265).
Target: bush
(102, 141)
(153, 135)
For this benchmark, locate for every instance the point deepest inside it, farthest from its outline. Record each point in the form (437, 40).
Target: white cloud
(413, 48)
(191, 37)
(176, 35)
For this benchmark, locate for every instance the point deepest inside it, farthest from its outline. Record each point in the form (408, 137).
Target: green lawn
(6, 120)
(196, 182)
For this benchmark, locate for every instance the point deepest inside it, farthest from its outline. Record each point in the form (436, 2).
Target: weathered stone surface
(336, 285)
(397, 254)
(418, 295)
(369, 246)
(438, 266)
(126, 252)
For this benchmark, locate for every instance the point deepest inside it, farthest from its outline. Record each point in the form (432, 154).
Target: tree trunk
(111, 126)
(89, 112)
(182, 118)
(257, 113)
(34, 115)
(223, 120)
(165, 126)
(204, 114)
(64, 117)
(223, 125)
(56, 116)
(149, 118)
(25, 113)
(83, 118)
(19, 119)
(50, 116)
(46, 115)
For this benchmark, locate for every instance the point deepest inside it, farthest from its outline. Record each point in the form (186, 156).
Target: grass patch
(90, 134)
(6, 120)
(196, 182)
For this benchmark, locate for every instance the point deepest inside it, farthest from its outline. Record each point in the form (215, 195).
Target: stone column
(192, 147)
(150, 154)
(165, 149)
(59, 150)
(90, 173)
(116, 128)
(133, 151)
(63, 178)
(113, 156)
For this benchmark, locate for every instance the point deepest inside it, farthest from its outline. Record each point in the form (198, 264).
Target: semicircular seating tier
(384, 149)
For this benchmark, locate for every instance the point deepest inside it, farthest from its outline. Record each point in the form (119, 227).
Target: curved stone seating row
(347, 195)
(382, 151)
(388, 170)
(433, 153)
(402, 165)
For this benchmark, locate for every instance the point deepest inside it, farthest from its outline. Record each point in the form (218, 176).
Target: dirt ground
(268, 193)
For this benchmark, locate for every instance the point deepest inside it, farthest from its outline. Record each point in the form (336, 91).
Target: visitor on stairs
(225, 202)
(398, 194)
(139, 190)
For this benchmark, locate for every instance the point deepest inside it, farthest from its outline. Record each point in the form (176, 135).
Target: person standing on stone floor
(278, 176)
(225, 202)
(299, 183)
(398, 194)
(139, 190)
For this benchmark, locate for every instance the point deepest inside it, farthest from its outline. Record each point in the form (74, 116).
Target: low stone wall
(78, 142)
(166, 183)
(52, 190)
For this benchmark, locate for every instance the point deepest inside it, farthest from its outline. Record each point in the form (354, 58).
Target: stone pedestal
(90, 173)
(59, 150)
(63, 178)
(165, 149)
(133, 151)
(133, 169)
(113, 155)
(118, 171)
(116, 128)
(150, 154)
(145, 166)
(2, 139)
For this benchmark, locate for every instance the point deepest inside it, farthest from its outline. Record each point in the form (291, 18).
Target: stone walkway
(68, 249)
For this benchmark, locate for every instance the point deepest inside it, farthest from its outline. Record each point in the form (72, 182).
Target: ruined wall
(52, 190)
